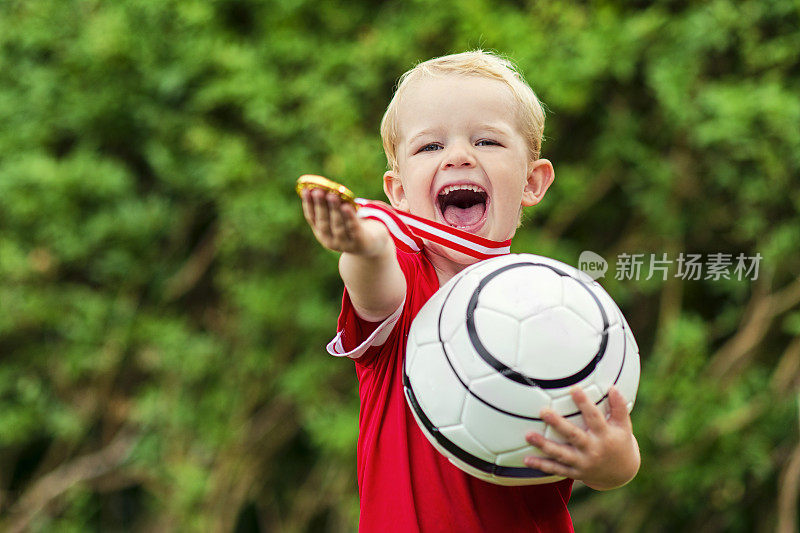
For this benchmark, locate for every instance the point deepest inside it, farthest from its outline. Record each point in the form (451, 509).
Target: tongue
(464, 216)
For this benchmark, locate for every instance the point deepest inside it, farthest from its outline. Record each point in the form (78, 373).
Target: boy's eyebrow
(500, 130)
(418, 135)
(493, 129)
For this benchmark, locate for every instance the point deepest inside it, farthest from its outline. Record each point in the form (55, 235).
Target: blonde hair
(475, 63)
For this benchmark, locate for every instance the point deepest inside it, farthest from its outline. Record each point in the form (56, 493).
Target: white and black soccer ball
(500, 341)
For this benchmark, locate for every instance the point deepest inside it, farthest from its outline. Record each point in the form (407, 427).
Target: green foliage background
(164, 309)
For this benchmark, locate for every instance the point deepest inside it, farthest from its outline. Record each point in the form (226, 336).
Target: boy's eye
(429, 147)
(487, 142)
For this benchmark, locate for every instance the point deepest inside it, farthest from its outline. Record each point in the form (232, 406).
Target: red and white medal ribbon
(408, 232)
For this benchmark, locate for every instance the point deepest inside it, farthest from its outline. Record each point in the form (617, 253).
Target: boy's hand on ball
(604, 456)
(336, 226)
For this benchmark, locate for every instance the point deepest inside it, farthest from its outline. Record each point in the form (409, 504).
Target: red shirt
(405, 485)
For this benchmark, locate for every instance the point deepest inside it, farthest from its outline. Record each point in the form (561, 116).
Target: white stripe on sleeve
(377, 338)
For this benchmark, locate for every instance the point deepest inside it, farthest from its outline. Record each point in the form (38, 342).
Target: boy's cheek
(421, 205)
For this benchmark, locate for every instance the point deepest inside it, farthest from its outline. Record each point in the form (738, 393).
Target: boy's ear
(393, 188)
(540, 176)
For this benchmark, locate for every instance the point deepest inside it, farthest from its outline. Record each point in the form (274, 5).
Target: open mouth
(463, 206)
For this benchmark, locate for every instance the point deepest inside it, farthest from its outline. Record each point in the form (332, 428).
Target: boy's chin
(454, 256)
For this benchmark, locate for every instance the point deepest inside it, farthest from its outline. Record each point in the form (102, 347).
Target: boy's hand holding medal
(330, 210)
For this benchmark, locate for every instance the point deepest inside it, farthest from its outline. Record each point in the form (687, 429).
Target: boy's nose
(458, 156)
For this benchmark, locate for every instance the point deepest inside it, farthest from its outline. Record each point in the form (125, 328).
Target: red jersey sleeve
(359, 339)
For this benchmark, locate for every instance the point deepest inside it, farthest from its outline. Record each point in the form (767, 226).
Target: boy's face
(461, 158)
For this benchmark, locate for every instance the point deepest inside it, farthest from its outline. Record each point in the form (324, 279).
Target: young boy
(462, 135)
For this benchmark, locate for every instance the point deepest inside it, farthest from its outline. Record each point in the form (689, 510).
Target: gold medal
(310, 181)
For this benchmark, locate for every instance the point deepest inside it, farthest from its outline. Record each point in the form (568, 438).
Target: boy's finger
(619, 408)
(592, 415)
(574, 435)
(338, 229)
(551, 467)
(349, 219)
(308, 208)
(560, 452)
(321, 212)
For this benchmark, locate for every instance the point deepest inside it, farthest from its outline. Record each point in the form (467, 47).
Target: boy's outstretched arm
(368, 264)
(604, 456)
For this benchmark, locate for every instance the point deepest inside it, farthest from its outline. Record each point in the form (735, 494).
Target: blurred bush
(164, 310)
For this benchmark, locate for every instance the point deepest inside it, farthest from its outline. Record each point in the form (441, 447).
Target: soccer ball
(500, 341)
